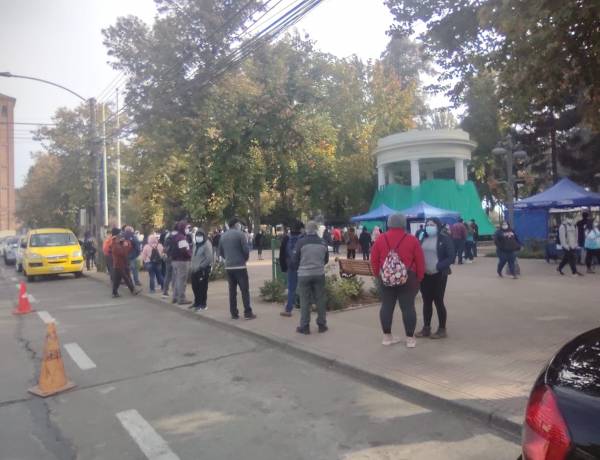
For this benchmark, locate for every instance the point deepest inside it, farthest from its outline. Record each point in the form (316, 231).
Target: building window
(4, 111)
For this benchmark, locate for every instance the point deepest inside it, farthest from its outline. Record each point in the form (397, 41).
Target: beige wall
(7, 164)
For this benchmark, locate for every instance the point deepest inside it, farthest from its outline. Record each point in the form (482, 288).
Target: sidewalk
(501, 333)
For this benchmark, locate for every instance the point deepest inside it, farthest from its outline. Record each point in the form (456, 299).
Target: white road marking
(79, 356)
(46, 317)
(107, 390)
(148, 440)
(13, 279)
(31, 298)
(95, 305)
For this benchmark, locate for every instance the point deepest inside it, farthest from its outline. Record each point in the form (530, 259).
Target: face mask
(504, 227)
(199, 239)
(431, 230)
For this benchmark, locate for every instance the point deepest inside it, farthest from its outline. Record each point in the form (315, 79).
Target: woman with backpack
(152, 257)
(397, 260)
(439, 253)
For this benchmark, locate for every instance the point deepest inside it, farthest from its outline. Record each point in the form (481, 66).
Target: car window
(12, 241)
(42, 240)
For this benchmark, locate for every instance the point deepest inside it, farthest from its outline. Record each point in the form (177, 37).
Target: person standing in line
(337, 240)
(420, 234)
(475, 228)
(215, 243)
(458, 231)
(286, 251)
(352, 243)
(89, 250)
(202, 260)
(107, 251)
(584, 225)
(258, 243)
(120, 249)
(592, 247)
(398, 259)
(233, 247)
(469, 244)
(365, 243)
(181, 254)
(134, 253)
(310, 258)
(439, 253)
(567, 234)
(507, 244)
(168, 250)
(152, 257)
(375, 234)
(327, 237)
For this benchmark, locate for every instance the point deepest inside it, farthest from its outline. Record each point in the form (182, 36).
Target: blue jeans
(154, 273)
(134, 271)
(292, 284)
(503, 258)
(459, 246)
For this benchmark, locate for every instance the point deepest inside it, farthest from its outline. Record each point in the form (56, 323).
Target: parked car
(562, 421)
(9, 252)
(2, 245)
(51, 251)
(19, 254)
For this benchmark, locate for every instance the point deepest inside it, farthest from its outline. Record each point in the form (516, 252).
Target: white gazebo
(442, 153)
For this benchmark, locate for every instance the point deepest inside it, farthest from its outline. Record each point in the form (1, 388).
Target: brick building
(7, 165)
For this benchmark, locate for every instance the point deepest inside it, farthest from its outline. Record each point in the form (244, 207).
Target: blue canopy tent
(423, 211)
(379, 214)
(532, 214)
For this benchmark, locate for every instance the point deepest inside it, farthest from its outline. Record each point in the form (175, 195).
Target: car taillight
(545, 434)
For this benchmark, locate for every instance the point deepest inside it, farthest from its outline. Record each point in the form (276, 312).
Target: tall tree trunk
(554, 154)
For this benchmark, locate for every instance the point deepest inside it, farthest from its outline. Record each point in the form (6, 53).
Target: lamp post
(510, 151)
(94, 149)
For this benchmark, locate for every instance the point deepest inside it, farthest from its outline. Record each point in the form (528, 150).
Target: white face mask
(199, 239)
(504, 227)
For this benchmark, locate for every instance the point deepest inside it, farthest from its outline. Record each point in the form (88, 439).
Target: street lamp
(510, 151)
(94, 146)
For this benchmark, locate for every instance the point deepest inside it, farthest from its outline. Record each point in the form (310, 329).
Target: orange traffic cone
(24, 305)
(52, 374)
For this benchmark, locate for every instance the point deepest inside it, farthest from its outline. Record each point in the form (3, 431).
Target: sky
(61, 41)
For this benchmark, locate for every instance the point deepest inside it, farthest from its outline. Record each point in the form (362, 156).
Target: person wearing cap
(439, 253)
(409, 250)
(310, 258)
(286, 251)
(233, 247)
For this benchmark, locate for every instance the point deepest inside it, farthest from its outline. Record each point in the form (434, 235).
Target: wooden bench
(352, 267)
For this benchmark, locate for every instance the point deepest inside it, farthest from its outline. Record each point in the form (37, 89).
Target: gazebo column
(415, 174)
(459, 171)
(381, 176)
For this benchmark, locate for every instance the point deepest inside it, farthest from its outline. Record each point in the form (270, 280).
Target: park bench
(352, 267)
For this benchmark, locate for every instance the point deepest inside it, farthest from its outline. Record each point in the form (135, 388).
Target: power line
(26, 123)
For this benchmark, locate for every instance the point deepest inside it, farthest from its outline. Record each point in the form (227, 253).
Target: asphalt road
(153, 383)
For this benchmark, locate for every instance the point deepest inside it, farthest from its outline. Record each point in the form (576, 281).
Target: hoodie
(202, 256)
(181, 251)
(147, 251)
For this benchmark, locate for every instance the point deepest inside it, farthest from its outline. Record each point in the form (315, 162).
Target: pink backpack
(393, 271)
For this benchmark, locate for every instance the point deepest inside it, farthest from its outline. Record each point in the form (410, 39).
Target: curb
(505, 427)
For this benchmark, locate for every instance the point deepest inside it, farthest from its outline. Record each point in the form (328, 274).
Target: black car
(562, 421)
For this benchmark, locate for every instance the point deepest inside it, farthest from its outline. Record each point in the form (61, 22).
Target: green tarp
(443, 193)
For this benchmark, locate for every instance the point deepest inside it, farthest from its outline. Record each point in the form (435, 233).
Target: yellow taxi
(51, 251)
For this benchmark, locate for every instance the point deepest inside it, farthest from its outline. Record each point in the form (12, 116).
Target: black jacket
(445, 253)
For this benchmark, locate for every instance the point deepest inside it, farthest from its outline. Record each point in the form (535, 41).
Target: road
(154, 383)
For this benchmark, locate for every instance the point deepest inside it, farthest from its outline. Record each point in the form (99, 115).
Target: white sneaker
(389, 339)
(411, 342)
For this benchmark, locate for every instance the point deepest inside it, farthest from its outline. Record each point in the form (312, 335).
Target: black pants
(109, 263)
(350, 253)
(589, 257)
(200, 286)
(239, 277)
(405, 296)
(433, 289)
(366, 253)
(469, 250)
(119, 274)
(90, 260)
(459, 246)
(569, 257)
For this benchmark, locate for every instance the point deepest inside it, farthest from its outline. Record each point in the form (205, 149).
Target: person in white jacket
(567, 234)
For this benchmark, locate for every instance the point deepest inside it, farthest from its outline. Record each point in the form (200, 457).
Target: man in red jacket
(409, 250)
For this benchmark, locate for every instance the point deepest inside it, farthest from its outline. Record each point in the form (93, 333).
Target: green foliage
(375, 290)
(217, 272)
(273, 291)
(341, 291)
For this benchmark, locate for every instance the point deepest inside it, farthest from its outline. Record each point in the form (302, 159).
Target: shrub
(217, 272)
(273, 291)
(340, 291)
(375, 290)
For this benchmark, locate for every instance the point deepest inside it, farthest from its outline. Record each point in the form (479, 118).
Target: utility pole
(104, 171)
(118, 165)
(97, 161)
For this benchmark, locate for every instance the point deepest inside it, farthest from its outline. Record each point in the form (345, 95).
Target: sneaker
(323, 328)
(440, 334)
(165, 295)
(201, 308)
(425, 332)
(193, 306)
(303, 330)
(184, 302)
(137, 291)
(389, 339)
(250, 316)
(235, 317)
(500, 275)
(560, 271)
(411, 342)
(114, 296)
(287, 314)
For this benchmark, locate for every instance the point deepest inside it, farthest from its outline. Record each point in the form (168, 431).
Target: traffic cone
(52, 373)
(24, 306)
